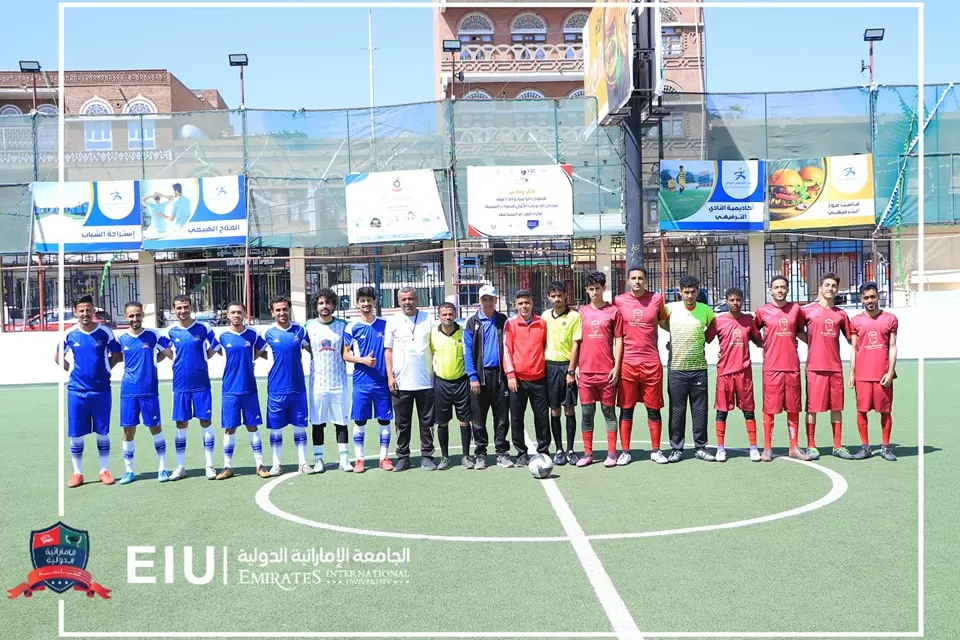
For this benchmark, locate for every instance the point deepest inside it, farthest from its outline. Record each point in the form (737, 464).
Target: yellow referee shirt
(447, 353)
(561, 332)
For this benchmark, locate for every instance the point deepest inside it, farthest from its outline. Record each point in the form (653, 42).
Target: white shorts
(328, 406)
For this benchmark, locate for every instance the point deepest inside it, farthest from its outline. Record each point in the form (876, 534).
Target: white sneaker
(658, 457)
(276, 470)
(211, 473)
(754, 455)
(721, 455)
(179, 473)
(346, 466)
(624, 459)
(318, 466)
(306, 469)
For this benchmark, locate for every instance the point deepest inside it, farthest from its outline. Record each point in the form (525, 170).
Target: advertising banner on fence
(699, 195)
(524, 201)
(394, 206)
(182, 213)
(808, 193)
(608, 64)
(98, 216)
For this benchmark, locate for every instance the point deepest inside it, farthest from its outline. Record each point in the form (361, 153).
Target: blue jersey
(367, 340)
(140, 362)
(238, 349)
(190, 347)
(91, 353)
(286, 372)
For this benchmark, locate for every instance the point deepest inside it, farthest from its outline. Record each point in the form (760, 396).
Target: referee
(451, 387)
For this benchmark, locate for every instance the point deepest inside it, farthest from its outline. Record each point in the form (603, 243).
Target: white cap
(488, 290)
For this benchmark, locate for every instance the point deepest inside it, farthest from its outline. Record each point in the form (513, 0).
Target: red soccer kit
(824, 367)
(598, 329)
(734, 368)
(641, 376)
(781, 363)
(873, 360)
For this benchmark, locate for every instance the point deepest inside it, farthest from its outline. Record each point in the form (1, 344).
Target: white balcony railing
(507, 58)
(16, 138)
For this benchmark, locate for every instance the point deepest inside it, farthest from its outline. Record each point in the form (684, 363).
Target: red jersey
(735, 337)
(824, 326)
(599, 328)
(523, 345)
(873, 344)
(780, 327)
(641, 337)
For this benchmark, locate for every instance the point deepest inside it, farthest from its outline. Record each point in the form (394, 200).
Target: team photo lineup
(601, 352)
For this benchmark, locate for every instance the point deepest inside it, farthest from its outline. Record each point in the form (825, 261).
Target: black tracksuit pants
(684, 386)
(536, 392)
(494, 395)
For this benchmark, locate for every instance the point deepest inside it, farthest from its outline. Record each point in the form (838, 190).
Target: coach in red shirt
(524, 341)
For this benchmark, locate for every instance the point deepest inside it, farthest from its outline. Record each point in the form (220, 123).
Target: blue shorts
(192, 404)
(232, 407)
(132, 408)
(371, 402)
(288, 408)
(88, 412)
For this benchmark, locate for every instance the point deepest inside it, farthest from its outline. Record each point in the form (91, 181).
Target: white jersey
(328, 371)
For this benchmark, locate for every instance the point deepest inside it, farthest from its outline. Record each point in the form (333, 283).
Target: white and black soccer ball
(541, 466)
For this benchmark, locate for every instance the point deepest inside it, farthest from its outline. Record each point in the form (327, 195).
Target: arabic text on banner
(524, 201)
(394, 206)
(97, 216)
(700, 195)
(180, 213)
(808, 193)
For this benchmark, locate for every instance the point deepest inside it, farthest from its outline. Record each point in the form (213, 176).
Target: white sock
(276, 445)
(300, 440)
(257, 445)
(180, 444)
(317, 452)
(103, 448)
(344, 450)
(358, 436)
(160, 446)
(384, 441)
(76, 455)
(228, 443)
(208, 442)
(128, 448)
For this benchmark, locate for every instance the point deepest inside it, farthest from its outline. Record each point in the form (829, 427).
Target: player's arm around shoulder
(164, 346)
(59, 355)
(260, 344)
(113, 347)
(664, 319)
(213, 345)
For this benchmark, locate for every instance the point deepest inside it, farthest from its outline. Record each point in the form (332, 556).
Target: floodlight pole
(243, 100)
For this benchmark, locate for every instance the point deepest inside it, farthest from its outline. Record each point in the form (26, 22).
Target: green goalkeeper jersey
(688, 335)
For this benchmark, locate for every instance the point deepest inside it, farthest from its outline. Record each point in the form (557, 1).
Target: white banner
(525, 201)
(394, 206)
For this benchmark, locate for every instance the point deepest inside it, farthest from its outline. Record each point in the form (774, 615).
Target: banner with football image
(703, 195)
(808, 193)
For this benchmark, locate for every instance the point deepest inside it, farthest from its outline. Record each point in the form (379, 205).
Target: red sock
(721, 431)
(811, 434)
(626, 430)
(793, 423)
(886, 426)
(862, 428)
(655, 428)
(837, 434)
(768, 431)
(752, 432)
(611, 443)
(588, 443)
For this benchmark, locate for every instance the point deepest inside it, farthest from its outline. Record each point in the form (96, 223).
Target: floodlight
(238, 60)
(873, 35)
(29, 66)
(451, 46)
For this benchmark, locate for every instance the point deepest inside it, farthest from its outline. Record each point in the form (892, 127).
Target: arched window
(577, 94)
(669, 15)
(47, 110)
(98, 134)
(671, 91)
(529, 29)
(141, 132)
(10, 110)
(477, 94)
(573, 32)
(530, 94)
(474, 29)
(672, 40)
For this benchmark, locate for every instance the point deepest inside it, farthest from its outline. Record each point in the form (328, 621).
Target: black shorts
(449, 394)
(558, 392)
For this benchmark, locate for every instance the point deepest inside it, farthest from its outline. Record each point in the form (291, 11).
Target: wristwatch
(571, 372)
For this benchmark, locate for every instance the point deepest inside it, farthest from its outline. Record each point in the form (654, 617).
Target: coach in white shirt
(409, 362)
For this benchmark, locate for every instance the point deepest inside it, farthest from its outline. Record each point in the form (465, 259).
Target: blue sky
(317, 58)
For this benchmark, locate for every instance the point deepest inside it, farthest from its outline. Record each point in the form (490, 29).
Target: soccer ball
(541, 466)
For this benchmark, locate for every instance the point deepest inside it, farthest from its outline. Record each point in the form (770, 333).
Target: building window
(47, 129)
(141, 133)
(672, 39)
(669, 16)
(474, 29)
(529, 29)
(577, 94)
(530, 94)
(673, 127)
(97, 134)
(10, 110)
(573, 31)
(477, 94)
(47, 110)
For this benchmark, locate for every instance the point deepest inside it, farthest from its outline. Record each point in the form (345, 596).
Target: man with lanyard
(409, 361)
(451, 387)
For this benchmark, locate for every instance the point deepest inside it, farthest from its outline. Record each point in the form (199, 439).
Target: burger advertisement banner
(835, 191)
(699, 195)
(608, 67)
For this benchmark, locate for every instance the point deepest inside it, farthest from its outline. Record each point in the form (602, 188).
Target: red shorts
(641, 384)
(595, 388)
(824, 391)
(872, 397)
(781, 391)
(735, 390)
